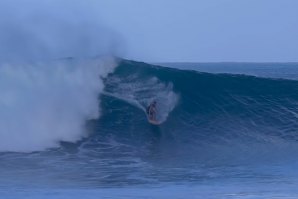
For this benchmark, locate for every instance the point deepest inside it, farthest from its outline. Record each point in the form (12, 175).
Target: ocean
(78, 129)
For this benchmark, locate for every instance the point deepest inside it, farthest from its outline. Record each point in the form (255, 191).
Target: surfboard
(154, 122)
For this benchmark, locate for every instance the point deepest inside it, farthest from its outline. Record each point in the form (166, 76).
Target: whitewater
(77, 128)
(44, 103)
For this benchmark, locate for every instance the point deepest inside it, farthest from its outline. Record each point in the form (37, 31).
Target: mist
(34, 30)
(53, 58)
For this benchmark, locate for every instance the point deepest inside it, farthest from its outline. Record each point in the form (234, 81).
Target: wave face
(199, 109)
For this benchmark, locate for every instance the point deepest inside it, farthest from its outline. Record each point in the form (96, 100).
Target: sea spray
(45, 103)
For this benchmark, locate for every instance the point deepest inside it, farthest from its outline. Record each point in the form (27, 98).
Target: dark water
(268, 70)
(222, 136)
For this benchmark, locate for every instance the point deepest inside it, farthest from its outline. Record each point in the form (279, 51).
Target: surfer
(151, 111)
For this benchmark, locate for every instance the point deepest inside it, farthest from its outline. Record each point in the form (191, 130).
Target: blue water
(231, 135)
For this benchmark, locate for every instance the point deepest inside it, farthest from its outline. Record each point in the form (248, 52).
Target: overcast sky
(176, 30)
(206, 30)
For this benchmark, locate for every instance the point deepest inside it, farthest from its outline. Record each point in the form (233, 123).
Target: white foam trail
(141, 92)
(43, 104)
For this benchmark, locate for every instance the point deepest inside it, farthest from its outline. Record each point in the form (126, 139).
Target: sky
(156, 30)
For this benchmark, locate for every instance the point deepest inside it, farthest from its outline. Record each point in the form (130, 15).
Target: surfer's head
(154, 103)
